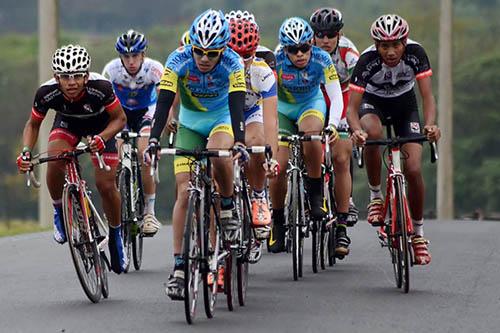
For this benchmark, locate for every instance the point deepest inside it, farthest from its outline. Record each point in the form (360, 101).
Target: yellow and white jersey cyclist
(301, 69)
(260, 116)
(211, 82)
(135, 80)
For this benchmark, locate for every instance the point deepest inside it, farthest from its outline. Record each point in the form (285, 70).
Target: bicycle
(297, 221)
(396, 230)
(247, 235)
(201, 259)
(129, 182)
(86, 231)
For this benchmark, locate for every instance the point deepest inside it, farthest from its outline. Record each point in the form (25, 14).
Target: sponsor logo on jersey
(287, 77)
(87, 108)
(415, 127)
(193, 78)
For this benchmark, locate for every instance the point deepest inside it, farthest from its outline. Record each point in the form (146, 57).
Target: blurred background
(96, 24)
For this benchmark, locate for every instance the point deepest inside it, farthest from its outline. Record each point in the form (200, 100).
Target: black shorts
(137, 119)
(403, 111)
(72, 130)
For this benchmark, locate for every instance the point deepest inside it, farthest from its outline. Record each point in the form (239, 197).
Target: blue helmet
(131, 42)
(294, 31)
(210, 30)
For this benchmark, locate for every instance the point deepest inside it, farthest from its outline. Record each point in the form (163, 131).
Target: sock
(149, 203)
(178, 262)
(259, 194)
(314, 187)
(351, 202)
(279, 216)
(226, 203)
(375, 192)
(342, 219)
(418, 227)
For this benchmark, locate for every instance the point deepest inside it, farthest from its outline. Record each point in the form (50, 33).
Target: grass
(17, 227)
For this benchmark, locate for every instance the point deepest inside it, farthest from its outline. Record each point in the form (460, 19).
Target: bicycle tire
(104, 277)
(210, 290)
(84, 253)
(402, 219)
(332, 234)
(124, 179)
(292, 223)
(137, 236)
(301, 227)
(230, 277)
(242, 261)
(191, 254)
(316, 246)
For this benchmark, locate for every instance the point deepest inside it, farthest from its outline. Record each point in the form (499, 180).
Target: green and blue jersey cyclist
(210, 79)
(382, 85)
(85, 105)
(135, 80)
(301, 69)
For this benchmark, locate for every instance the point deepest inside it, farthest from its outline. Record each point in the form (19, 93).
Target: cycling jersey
(371, 75)
(261, 84)
(345, 58)
(85, 115)
(203, 92)
(136, 92)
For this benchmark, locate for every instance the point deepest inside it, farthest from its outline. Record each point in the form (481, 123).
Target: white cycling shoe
(150, 225)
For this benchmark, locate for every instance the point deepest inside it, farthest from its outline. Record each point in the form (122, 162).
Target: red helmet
(244, 37)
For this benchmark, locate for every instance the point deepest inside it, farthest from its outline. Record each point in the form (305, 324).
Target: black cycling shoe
(175, 286)
(343, 242)
(276, 241)
(318, 211)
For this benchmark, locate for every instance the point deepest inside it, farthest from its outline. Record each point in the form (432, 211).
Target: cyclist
(301, 68)
(382, 85)
(85, 105)
(260, 115)
(211, 83)
(135, 79)
(327, 24)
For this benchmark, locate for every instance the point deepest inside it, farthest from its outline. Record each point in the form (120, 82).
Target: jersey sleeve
(267, 81)
(110, 100)
(156, 72)
(173, 66)
(105, 71)
(360, 75)
(330, 74)
(40, 107)
(420, 61)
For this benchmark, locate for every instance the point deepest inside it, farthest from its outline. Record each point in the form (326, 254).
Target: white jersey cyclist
(261, 83)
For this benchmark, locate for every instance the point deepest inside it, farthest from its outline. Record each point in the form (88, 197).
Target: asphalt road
(458, 292)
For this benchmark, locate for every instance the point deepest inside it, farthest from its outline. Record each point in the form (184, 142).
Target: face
(391, 52)
(72, 85)
(206, 59)
(299, 55)
(327, 40)
(248, 59)
(132, 62)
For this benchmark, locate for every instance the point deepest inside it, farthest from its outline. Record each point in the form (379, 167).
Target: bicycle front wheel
(82, 244)
(293, 221)
(137, 236)
(191, 255)
(402, 220)
(242, 261)
(124, 179)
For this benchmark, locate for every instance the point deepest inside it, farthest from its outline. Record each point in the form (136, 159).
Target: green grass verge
(16, 227)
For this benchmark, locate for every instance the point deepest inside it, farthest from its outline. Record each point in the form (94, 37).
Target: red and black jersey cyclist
(85, 105)
(381, 86)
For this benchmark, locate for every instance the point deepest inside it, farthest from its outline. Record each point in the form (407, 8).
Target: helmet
(326, 19)
(131, 42)
(295, 30)
(70, 59)
(238, 14)
(210, 30)
(389, 27)
(244, 36)
(185, 39)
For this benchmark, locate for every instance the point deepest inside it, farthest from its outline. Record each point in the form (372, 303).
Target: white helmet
(240, 15)
(70, 59)
(389, 27)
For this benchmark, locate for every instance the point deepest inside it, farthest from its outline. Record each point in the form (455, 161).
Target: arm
(117, 121)
(163, 105)
(30, 132)
(429, 106)
(334, 93)
(236, 106)
(358, 135)
(270, 110)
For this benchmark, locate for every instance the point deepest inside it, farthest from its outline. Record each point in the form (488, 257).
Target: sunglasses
(294, 49)
(74, 76)
(209, 53)
(248, 57)
(329, 34)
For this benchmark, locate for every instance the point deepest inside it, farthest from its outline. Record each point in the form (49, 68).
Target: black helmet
(326, 19)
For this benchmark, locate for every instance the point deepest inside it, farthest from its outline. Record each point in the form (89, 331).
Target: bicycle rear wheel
(137, 236)
(402, 219)
(191, 255)
(230, 277)
(82, 244)
(124, 179)
(316, 245)
(292, 222)
(242, 261)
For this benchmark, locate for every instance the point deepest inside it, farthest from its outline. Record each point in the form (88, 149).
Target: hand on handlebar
(24, 162)
(97, 144)
(332, 131)
(359, 137)
(272, 168)
(153, 149)
(432, 132)
(240, 152)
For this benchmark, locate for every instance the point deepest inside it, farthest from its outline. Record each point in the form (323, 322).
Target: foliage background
(95, 24)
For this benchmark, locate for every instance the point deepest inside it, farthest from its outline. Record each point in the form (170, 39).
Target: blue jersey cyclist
(210, 79)
(301, 69)
(135, 80)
